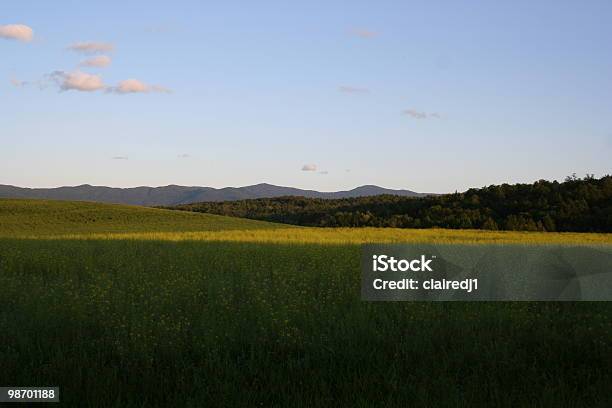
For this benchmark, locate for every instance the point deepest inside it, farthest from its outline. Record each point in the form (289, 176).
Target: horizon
(286, 186)
(196, 186)
(425, 97)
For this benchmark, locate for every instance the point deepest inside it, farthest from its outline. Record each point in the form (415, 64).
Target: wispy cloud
(41, 83)
(352, 89)
(184, 156)
(120, 158)
(18, 83)
(91, 47)
(99, 61)
(17, 32)
(363, 33)
(77, 81)
(135, 86)
(309, 167)
(415, 114)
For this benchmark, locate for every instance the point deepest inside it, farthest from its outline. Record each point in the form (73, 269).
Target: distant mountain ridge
(175, 195)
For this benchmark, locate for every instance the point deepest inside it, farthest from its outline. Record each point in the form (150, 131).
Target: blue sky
(433, 96)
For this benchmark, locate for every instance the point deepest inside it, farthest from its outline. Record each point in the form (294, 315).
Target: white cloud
(352, 89)
(309, 167)
(100, 61)
(78, 81)
(132, 86)
(91, 47)
(420, 115)
(82, 81)
(18, 32)
(135, 86)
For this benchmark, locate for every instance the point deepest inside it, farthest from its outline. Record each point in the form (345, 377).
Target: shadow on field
(153, 323)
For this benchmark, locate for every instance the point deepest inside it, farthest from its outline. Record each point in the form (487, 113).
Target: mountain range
(175, 195)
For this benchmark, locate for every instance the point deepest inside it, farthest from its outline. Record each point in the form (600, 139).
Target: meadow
(131, 307)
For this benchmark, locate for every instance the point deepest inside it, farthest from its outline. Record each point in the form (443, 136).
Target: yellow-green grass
(41, 219)
(352, 236)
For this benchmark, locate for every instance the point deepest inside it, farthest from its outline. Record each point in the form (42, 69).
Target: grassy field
(126, 306)
(42, 219)
(45, 218)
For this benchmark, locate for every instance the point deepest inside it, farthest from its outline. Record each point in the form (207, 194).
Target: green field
(128, 306)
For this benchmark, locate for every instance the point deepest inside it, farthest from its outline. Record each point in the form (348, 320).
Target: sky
(431, 96)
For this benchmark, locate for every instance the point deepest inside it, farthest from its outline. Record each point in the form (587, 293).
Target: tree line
(577, 204)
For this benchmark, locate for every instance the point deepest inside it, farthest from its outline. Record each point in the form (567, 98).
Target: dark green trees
(574, 205)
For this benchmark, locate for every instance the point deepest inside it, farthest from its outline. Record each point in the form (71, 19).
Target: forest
(576, 204)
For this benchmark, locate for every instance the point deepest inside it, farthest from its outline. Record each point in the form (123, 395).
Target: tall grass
(161, 323)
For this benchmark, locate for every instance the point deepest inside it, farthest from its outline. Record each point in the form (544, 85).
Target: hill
(579, 205)
(35, 220)
(42, 217)
(175, 195)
